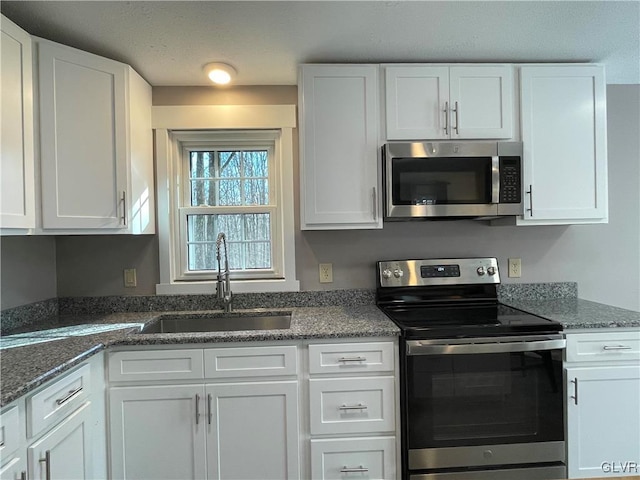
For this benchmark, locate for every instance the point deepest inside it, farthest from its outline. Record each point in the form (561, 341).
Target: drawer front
(352, 405)
(351, 357)
(9, 432)
(250, 361)
(58, 400)
(604, 346)
(156, 365)
(363, 458)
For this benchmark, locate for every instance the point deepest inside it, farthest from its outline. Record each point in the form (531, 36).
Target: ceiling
(169, 42)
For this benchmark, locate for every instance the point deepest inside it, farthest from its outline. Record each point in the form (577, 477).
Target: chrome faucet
(223, 287)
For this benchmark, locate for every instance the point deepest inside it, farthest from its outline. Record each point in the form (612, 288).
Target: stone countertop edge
(23, 369)
(575, 313)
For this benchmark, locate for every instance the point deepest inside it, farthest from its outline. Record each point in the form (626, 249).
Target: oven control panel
(442, 271)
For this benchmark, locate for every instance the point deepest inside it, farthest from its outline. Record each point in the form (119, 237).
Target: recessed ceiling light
(220, 73)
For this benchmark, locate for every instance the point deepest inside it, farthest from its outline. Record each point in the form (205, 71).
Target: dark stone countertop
(574, 313)
(24, 368)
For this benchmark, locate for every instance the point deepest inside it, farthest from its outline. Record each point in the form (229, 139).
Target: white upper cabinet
(339, 154)
(563, 118)
(430, 102)
(95, 144)
(17, 180)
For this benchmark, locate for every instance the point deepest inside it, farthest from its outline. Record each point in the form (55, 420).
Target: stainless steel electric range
(481, 383)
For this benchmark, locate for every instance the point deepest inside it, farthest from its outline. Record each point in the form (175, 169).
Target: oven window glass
(441, 181)
(484, 399)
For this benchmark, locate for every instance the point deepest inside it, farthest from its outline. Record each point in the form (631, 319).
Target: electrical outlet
(130, 277)
(326, 272)
(515, 267)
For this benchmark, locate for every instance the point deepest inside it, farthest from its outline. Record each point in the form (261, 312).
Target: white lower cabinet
(220, 428)
(64, 452)
(58, 431)
(352, 410)
(603, 404)
(369, 457)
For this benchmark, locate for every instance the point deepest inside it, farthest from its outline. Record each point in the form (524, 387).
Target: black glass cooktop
(459, 321)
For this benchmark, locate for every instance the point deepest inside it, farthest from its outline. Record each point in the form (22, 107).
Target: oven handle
(486, 345)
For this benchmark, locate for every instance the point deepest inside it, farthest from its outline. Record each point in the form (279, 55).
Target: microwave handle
(374, 195)
(495, 179)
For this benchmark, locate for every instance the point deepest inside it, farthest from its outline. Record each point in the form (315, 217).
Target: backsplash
(34, 313)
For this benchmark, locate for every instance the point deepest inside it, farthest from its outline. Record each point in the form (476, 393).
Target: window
(236, 181)
(229, 185)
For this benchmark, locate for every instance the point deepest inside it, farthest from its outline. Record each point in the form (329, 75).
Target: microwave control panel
(510, 184)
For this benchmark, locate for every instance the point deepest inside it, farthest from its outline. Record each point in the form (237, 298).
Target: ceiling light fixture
(220, 73)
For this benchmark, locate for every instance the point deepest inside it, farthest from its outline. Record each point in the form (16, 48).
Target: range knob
(480, 270)
(491, 270)
(398, 273)
(386, 273)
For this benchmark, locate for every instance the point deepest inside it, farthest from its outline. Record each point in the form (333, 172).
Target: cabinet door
(603, 421)
(83, 139)
(158, 432)
(481, 100)
(17, 180)
(253, 431)
(339, 147)
(15, 469)
(417, 102)
(64, 452)
(564, 144)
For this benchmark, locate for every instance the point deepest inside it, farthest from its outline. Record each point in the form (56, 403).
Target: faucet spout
(223, 286)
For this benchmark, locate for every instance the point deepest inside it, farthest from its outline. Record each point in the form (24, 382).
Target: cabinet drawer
(603, 346)
(351, 357)
(367, 458)
(9, 432)
(250, 361)
(56, 401)
(352, 405)
(156, 365)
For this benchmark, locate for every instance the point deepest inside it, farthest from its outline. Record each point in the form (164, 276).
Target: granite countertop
(24, 368)
(574, 313)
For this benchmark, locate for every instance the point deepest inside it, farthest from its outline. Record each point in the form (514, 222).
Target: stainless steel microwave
(425, 180)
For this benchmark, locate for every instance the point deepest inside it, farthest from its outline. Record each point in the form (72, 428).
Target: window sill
(244, 286)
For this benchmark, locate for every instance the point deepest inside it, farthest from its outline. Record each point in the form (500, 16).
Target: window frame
(175, 124)
(236, 141)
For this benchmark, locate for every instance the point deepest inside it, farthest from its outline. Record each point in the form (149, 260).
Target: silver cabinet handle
(446, 118)
(530, 193)
(359, 406)
(575, 391)
(359, 469)
(352, 359)
(209, 414)
(47, 464)
(457, 110)
(197, 409)
(375, 203)
(69, 396)
(123, 198)
(616, 347)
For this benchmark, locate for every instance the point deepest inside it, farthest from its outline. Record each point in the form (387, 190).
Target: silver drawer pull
(616, 347)
(69, 396)
(352, 359)
(359, 469)
(359, 406)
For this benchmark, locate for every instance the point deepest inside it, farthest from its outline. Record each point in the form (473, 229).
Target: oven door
(492, 402)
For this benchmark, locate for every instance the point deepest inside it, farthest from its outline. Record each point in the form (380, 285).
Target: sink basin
(217, 323)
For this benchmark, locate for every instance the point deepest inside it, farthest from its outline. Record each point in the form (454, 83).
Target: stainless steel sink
(217, 323)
